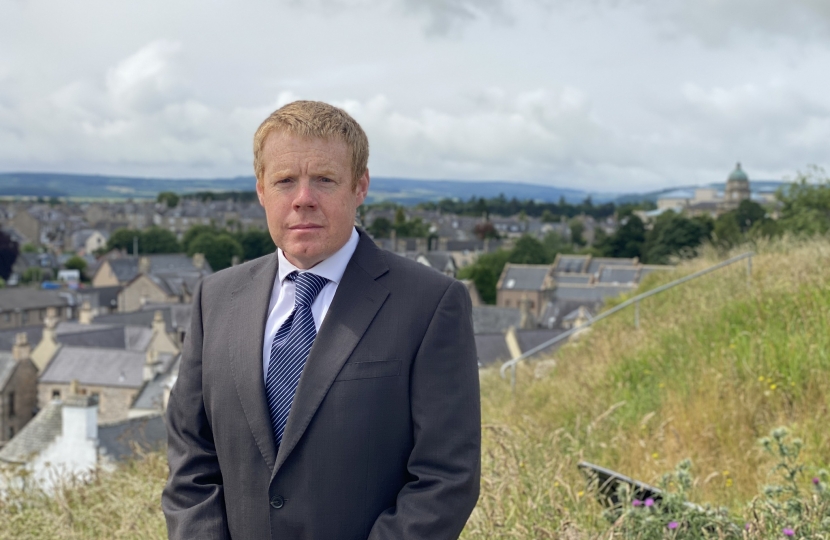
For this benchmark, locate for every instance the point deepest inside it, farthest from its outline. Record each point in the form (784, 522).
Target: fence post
(637, 314)
(749, 270)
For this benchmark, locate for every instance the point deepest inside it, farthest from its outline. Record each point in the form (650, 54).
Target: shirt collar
(332, 268)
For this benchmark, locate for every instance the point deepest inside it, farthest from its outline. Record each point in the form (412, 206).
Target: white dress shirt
(282, 294)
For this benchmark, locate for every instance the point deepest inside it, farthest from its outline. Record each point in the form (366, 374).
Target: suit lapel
(357, 301)
(249, 311)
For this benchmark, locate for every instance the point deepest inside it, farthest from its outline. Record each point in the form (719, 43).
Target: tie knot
(308, 287)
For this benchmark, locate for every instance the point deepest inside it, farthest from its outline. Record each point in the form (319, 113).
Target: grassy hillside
(717, 364)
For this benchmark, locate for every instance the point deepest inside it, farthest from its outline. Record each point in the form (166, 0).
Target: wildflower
(728, 482)
(788, 532)
(636, 502)
(816, 480)
(748, 526)
(655, 455)
(760, 378)
(649, 502)
(672, 525)
(580, 494)
(773, 386)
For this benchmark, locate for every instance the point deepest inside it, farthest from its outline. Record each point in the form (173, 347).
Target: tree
(8, 254)
(158, 240)
(28, 248)
(218, 249)
(485, 273)
(194, 231)
(486, 230)
(169, 198)
(380, 228)
(577, 231)
(33, 274)
(805, 204)
(123, 239)
(748, 214)
(255, 244)
(76, 263)
(627, 241)
(528, 250)
(673, 235)
(727, 231)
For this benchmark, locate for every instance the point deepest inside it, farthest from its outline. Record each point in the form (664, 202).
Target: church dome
(738, 175)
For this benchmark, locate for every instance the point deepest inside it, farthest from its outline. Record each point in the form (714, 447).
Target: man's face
(306, 190)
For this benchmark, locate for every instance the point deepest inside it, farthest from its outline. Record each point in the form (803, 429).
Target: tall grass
(716, 364)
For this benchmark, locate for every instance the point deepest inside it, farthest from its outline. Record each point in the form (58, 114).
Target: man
(328, 391)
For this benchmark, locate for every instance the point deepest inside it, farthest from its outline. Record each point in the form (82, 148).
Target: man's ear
(260, 190)
(362, 188)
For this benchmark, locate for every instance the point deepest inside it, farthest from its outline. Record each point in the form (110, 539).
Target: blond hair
(314, 119)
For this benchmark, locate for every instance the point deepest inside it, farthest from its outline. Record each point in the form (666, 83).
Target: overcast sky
(609, 95)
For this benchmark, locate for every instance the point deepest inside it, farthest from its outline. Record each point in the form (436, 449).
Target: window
(11, 404)
(11, 432)
(24, 317)
(7, 317)
(56, 394)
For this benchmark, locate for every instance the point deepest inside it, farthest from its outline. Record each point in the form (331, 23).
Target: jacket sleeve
(445, 462)
(193, 500)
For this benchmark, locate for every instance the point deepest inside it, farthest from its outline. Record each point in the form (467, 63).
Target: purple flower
(789, 532)
(636, 502)
(748, 526)
(649, 502)
(816, 480)
(672, 525)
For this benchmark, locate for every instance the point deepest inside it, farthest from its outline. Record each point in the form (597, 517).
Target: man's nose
(304, 196)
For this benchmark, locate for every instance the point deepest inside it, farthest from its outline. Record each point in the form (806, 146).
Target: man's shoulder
(235, 275)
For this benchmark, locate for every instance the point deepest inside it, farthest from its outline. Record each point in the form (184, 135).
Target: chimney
(21, 350)
(235, 260)
(151, 366)
(442, 244)
(144, 265)
(165, 398)
(393, 236)
(80, 416)
(199, 260)
(527, 320)
(421, 245)
(85, 313)
(159, 327)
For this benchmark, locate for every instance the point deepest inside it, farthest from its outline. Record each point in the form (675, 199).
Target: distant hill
(401, 190)
(406, 191)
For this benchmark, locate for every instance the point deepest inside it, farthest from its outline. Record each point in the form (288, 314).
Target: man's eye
(325, 179)
(284, 181)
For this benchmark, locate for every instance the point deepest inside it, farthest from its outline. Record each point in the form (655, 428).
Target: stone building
(18, 389)
(533, 283)
(737, 189)
(23, 306)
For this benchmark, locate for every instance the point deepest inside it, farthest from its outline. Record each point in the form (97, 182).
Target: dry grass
(716, 364)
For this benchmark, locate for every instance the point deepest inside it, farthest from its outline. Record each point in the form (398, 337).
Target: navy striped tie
(290, 348)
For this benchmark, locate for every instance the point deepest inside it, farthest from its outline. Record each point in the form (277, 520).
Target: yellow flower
(580, 494)
(760, 378)
(728, 482)
(773, 386)
(726, 473)
(655, 455)
(662, 385)
(556, 484)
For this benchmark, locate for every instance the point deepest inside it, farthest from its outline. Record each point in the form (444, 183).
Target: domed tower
(737, 188)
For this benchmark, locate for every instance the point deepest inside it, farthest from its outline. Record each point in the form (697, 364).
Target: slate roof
(590, 293)
(93, 366)
(125, 268)
(7, 365)
(492, 319)
(440, 260)
(556, 312)
(618, 274)
(571, 263)
(152, 395)
(131, 338)
(524, 277)
(597, 263)
(7, 337)
(583, 279)
(22, 298)
(176, 317)
(39, 432)
(491, 348)
(121, 440)
(106, 296)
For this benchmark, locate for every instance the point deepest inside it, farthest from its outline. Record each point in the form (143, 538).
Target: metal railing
(511, 364)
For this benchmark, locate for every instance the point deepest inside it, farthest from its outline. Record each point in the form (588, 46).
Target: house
(152, 279)
(86, 241)
(525, 281)
(438, 260)
(18, 389)
(65, 441)
(22, 306)
(114, 377)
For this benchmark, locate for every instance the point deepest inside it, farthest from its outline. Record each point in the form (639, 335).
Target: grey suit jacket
(384, 436)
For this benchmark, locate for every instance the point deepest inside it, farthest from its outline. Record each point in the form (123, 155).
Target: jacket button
(277, 502)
